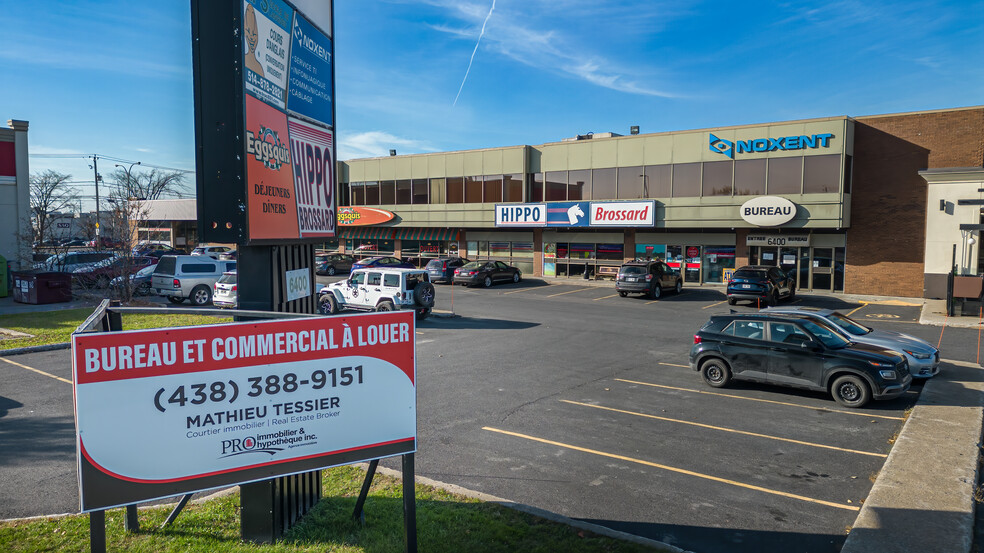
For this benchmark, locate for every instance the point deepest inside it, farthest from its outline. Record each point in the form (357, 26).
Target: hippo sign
(768, 211)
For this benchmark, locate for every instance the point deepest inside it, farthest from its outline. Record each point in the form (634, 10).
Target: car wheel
(732, 301)
(174, 299)
(516, 277)
(201, 295)
(385, 306)
(850, 391)
(143, 289)
(423, 294)
(679, 286)
(331, 271)
(487, 282)
(422, 313)
(623, 294)
(327, 305)
(715, 373)
(656, 291)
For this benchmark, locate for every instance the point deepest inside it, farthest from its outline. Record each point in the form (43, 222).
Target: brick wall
(886, 241)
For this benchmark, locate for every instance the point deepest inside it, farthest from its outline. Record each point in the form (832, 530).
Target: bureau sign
(768, 211)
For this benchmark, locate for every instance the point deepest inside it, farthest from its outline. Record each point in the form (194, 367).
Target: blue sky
(115, 78)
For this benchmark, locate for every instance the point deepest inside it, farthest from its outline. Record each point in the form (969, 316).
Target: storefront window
(370, 248)
(419, 251)
(549, 260)
(631, 183)
(473, 190)
(556, 186)
(522, 249)
(716, 260)
(493, 189)
(563, 250)
(716, 178)
(785, 175)
(387, 192)
(750, 177)
(603, 184)
(403, 194)
(646, 252)
(821, 174)
(611, 252)
(658, 181)
(420, 191)
(582, 251)
(471, 250)
(499, 249)
(513, 188)
(686, 180)
(332, 244)
(577, 185)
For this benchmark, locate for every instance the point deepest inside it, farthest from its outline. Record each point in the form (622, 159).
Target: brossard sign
(577, 214)
(173, 411)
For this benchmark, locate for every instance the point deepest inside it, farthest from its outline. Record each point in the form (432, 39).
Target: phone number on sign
(229, 391)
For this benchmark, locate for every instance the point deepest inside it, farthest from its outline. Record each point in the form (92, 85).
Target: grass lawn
(52, 327)
(445, 523)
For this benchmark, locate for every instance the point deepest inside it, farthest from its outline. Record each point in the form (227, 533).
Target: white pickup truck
(378, 289)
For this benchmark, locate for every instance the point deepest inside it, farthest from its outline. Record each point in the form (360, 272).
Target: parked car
(647, 277)
(231, 255)
(442, 268)
(67, 262)
(798, 351)
(224, 292)
(332, 263)
(181, 277)
(380, 289)
(139, 281)
(74, 243)
(382, 262)
(761, 284)
(210, 251)
(102, 273)
(158, 253)
(923, 357)
(105, 242)
(486, 273)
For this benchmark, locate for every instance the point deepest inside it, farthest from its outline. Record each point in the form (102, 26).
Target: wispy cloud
(472, 59)
(553, 49)
(377, 143)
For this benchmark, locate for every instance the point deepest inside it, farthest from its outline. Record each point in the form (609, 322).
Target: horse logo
(573, 213)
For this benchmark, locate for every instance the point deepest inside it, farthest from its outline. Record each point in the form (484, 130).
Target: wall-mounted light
(971, 240)
(392, 152)
(634, 129)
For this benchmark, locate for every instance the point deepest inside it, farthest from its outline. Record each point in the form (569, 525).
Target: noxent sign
(729, 148)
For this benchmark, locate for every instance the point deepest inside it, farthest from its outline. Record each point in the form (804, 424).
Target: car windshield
(435, 263)
(633, 270)
(473, 265)
(147, 271)
(228, 278)
(830, 337)
(850, 325)
(750, 273)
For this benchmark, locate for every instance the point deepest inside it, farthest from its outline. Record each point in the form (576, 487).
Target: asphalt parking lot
(569, 398)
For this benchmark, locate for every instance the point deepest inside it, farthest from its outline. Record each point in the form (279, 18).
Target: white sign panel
(621, 214)
(768, 211)
(521, 215)
(298, 284)
(177, 410)
(799, 240)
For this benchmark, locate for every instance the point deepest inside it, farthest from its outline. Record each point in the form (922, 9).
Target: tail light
(234, 286)
(457, 271)
(177, 283)
(649, 277)
(696, 339)
(444, 266)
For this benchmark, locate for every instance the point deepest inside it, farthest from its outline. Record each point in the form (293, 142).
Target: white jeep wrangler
(378, 289)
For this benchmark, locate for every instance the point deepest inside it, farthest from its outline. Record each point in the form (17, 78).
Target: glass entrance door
(823, 261)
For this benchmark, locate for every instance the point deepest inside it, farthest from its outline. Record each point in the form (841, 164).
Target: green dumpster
(3, 276)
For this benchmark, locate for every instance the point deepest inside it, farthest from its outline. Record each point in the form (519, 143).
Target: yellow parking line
(725, 429)
(855, 413)
(606, 297)
(515, 291)
(568, 292)
(675, 469)
(863, 304)
(673, 365)
(49, 375)
(713, 304)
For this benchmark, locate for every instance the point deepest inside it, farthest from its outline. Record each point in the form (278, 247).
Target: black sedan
(486, 273)
(332, 263)
(761, 284)
(796, 351)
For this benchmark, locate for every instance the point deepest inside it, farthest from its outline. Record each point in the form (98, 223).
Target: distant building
(15, 195)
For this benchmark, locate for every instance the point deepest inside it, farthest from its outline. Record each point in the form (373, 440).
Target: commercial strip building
(849, 204)
(15, 195)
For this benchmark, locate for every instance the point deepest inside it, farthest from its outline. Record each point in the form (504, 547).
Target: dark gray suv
(647, 277)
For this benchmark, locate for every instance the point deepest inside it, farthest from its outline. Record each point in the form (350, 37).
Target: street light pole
(128, 181)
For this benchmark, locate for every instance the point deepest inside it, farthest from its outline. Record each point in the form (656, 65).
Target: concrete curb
(35, 349)
(547, 515)
(923, 498)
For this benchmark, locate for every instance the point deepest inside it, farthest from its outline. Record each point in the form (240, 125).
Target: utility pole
(95, 169)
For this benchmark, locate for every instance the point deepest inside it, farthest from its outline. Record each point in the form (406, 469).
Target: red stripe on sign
(237, 469)
(109, 356)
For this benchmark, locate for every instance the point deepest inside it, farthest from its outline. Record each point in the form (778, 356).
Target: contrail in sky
(480, 35)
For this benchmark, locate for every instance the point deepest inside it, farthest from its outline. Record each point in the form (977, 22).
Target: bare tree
(149, 185)
(49, 195)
